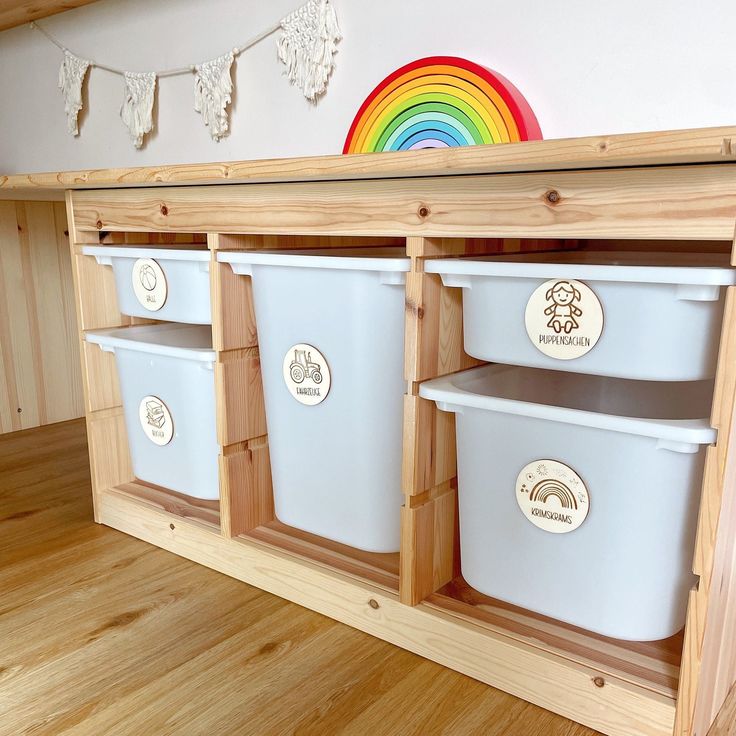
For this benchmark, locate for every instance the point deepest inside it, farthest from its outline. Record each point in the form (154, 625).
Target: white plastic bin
(168, 390)
(578, 494)
(331, 336)
(593, 313)
(171, 285)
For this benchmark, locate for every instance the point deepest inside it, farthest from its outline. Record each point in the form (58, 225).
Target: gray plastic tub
(579, 494)
(598, 313)
(159, 283)
(168, 390)
(331, 335)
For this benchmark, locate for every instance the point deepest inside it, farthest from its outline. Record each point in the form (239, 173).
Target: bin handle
(392, 278)
(449, 407)
(204, 266)
(209, 366)
(107, 348)
(697, 292)
(457, 280)
(242, 269)
(104, 260)
(683, 447)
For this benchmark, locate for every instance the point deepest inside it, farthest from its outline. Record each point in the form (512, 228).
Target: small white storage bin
(593, 313)
(578, 495)
(171, 285)
(331, 336)
(168, 390)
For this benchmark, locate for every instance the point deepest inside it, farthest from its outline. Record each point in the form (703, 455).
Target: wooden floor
(102, 634)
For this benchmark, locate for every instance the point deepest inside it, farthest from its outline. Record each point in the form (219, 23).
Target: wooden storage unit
(608, 193)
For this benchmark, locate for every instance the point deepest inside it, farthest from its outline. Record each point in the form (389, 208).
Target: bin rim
(582, 271)
(156, 254)
(454, 398)
(125, 338)
(318, 259)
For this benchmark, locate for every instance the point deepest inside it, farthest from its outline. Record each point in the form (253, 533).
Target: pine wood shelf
(417, 599)
(653, 666)
(379, 569)
(203, 512)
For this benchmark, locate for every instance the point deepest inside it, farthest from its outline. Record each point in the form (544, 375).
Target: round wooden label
(552, 496)
(149, 284)
(307, 374)
(156, 420)
(564, 319)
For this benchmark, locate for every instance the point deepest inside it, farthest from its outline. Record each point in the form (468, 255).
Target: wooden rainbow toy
(441, 102)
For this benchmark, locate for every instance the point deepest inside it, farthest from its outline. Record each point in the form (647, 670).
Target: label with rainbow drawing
(552, 496)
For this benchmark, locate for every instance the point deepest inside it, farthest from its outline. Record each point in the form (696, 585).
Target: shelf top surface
(693, 146)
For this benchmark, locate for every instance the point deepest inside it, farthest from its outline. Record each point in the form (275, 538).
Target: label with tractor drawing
(306, 374)
(156, 420)
(149, 284)
(564, 319)
(552, 496)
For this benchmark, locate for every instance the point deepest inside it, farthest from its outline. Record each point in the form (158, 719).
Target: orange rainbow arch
(441, 102)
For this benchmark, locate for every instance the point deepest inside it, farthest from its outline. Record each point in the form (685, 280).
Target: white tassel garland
(71, 77)
(307, 45)
(213, 86)
(137, 109)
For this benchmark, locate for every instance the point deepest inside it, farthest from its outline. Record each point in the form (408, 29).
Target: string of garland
(307, 43)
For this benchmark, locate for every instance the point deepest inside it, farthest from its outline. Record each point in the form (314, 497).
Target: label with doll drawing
(149, 284)
(564, 319)
(156, 420)
(552, 496)
(306, 374)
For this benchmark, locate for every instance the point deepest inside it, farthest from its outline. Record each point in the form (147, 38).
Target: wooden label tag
(149, 284)
(156, 420)
(307, 374)
(564, 319)
(552, 496)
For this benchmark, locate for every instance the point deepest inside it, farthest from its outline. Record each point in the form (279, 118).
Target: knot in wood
(415, 309)
(552, 196)
(599, 681)
(373, 603)
(423, 210)
(164, 210)
(99, 224)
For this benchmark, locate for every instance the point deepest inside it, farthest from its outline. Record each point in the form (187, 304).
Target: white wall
(586, 68)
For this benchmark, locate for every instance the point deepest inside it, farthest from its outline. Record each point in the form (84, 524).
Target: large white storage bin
(331, 336)
(168, 390)
(171, 285)
(578, 495)
(592, 313)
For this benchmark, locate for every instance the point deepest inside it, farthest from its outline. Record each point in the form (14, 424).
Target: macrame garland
(137, 109)
(71, 76)
(307, 45)
(213, 88)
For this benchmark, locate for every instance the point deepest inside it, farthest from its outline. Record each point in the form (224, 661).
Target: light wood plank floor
(102, 634)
